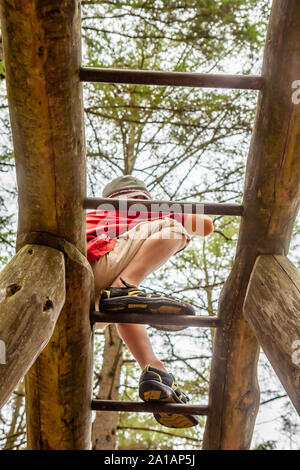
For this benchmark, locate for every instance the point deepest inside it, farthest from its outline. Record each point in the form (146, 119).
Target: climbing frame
(43, 72)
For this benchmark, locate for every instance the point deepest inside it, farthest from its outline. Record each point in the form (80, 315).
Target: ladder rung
(172, 206)
(156, 319)
(184, 79)
(141, 407)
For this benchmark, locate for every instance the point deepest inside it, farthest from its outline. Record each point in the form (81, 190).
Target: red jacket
(103, 228)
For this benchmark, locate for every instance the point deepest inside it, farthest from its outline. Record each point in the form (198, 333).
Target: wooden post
(32, 294)
(58, 386)
(272, 308)
(271, 202)
(42, 50)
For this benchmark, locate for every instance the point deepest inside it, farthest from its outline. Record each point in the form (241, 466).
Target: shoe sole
(153, 391)
(136, 305)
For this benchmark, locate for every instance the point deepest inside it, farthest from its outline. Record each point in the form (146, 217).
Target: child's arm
(198, 224)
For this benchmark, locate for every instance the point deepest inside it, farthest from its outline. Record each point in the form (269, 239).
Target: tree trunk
(32, 294)
(104, 432)
(271, 202)
(272, 308)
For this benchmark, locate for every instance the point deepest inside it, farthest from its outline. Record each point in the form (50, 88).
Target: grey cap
(126, 186)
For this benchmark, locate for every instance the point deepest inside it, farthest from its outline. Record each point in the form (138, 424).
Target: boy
(123, 250)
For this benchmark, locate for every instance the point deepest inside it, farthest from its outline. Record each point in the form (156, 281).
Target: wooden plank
(271, 201)
(272, 308)
(42, 49)
(141, 407)
(156, 319)
(182, 79)
(32, 294)
(164, 206)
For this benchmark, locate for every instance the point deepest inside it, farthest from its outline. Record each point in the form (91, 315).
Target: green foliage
(179, 140)
(2, 69)
(186, 144)
(267, 445)
(8, 191)
(7, 237)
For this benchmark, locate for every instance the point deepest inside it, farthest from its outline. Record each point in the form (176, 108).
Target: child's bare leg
(153, 253)
(137, 340)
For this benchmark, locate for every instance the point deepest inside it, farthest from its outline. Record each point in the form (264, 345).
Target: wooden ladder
(42, 53)
(158, 78)
(180, 79)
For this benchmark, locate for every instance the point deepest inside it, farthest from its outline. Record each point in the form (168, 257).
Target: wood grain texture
(58, 385)
(32, 294)
(42, 49)
(272, 308)
(271, 203)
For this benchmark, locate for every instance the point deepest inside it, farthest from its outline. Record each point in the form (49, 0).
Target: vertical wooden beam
(42, 50)
(104, 431)
(58, 386)
(271, 203)
(272, 308)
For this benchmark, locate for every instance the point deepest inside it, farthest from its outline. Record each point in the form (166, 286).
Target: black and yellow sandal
(132, 299)
(158, 386)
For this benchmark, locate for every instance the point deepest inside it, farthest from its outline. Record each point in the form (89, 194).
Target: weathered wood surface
(272, 308)
(32, 294)
(271, 202)
(42, 49)
(58, 385)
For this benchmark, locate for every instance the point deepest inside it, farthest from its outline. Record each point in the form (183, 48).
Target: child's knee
(177, 238)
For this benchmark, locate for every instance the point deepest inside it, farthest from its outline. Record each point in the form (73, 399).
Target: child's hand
(198, 224)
